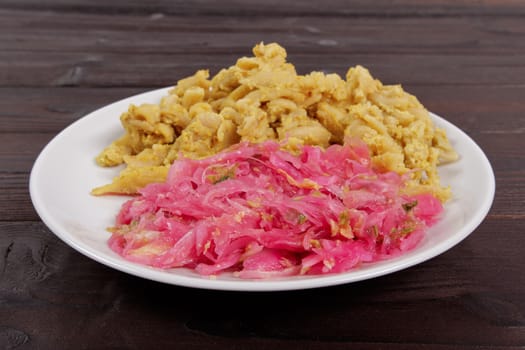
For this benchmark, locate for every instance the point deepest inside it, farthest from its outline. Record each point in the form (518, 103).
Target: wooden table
(61, 59)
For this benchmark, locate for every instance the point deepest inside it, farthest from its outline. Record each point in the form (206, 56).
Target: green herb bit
(222, 178)
(406, 230)
(344, 218)
(222, 174)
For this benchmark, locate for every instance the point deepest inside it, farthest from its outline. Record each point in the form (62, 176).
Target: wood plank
(19, 151)
(32, 30)
(52, 109)
(380, 8)
(15, 202)
(18, 69)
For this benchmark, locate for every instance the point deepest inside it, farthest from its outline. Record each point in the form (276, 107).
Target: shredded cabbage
(261, 212)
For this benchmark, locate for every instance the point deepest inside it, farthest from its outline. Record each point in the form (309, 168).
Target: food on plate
(260, 211)
(262, 98)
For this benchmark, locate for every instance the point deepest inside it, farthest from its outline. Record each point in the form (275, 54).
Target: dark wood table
(61, 59)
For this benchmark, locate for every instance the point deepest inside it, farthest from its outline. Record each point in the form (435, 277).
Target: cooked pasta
(263, 98)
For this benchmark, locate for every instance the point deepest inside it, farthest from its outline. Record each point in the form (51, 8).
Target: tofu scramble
(262, 98)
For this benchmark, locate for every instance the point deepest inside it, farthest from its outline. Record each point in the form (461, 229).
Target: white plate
(65, 172)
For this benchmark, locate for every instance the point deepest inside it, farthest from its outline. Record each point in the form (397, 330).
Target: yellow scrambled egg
(262, 98)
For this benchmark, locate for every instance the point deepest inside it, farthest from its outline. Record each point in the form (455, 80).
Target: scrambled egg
(261, 98)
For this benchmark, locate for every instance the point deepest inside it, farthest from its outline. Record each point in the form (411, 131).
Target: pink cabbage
(261, 212)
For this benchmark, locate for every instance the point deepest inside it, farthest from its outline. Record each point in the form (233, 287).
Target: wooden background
(60, 59)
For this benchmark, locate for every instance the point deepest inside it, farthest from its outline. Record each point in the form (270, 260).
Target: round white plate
(65, 172)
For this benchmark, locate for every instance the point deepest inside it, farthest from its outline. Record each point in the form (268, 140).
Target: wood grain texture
(60, 60)
(150, 34)
(109, 49)
(83, 69)
(381, 8)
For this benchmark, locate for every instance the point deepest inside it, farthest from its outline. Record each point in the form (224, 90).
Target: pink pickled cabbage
(261, 212)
